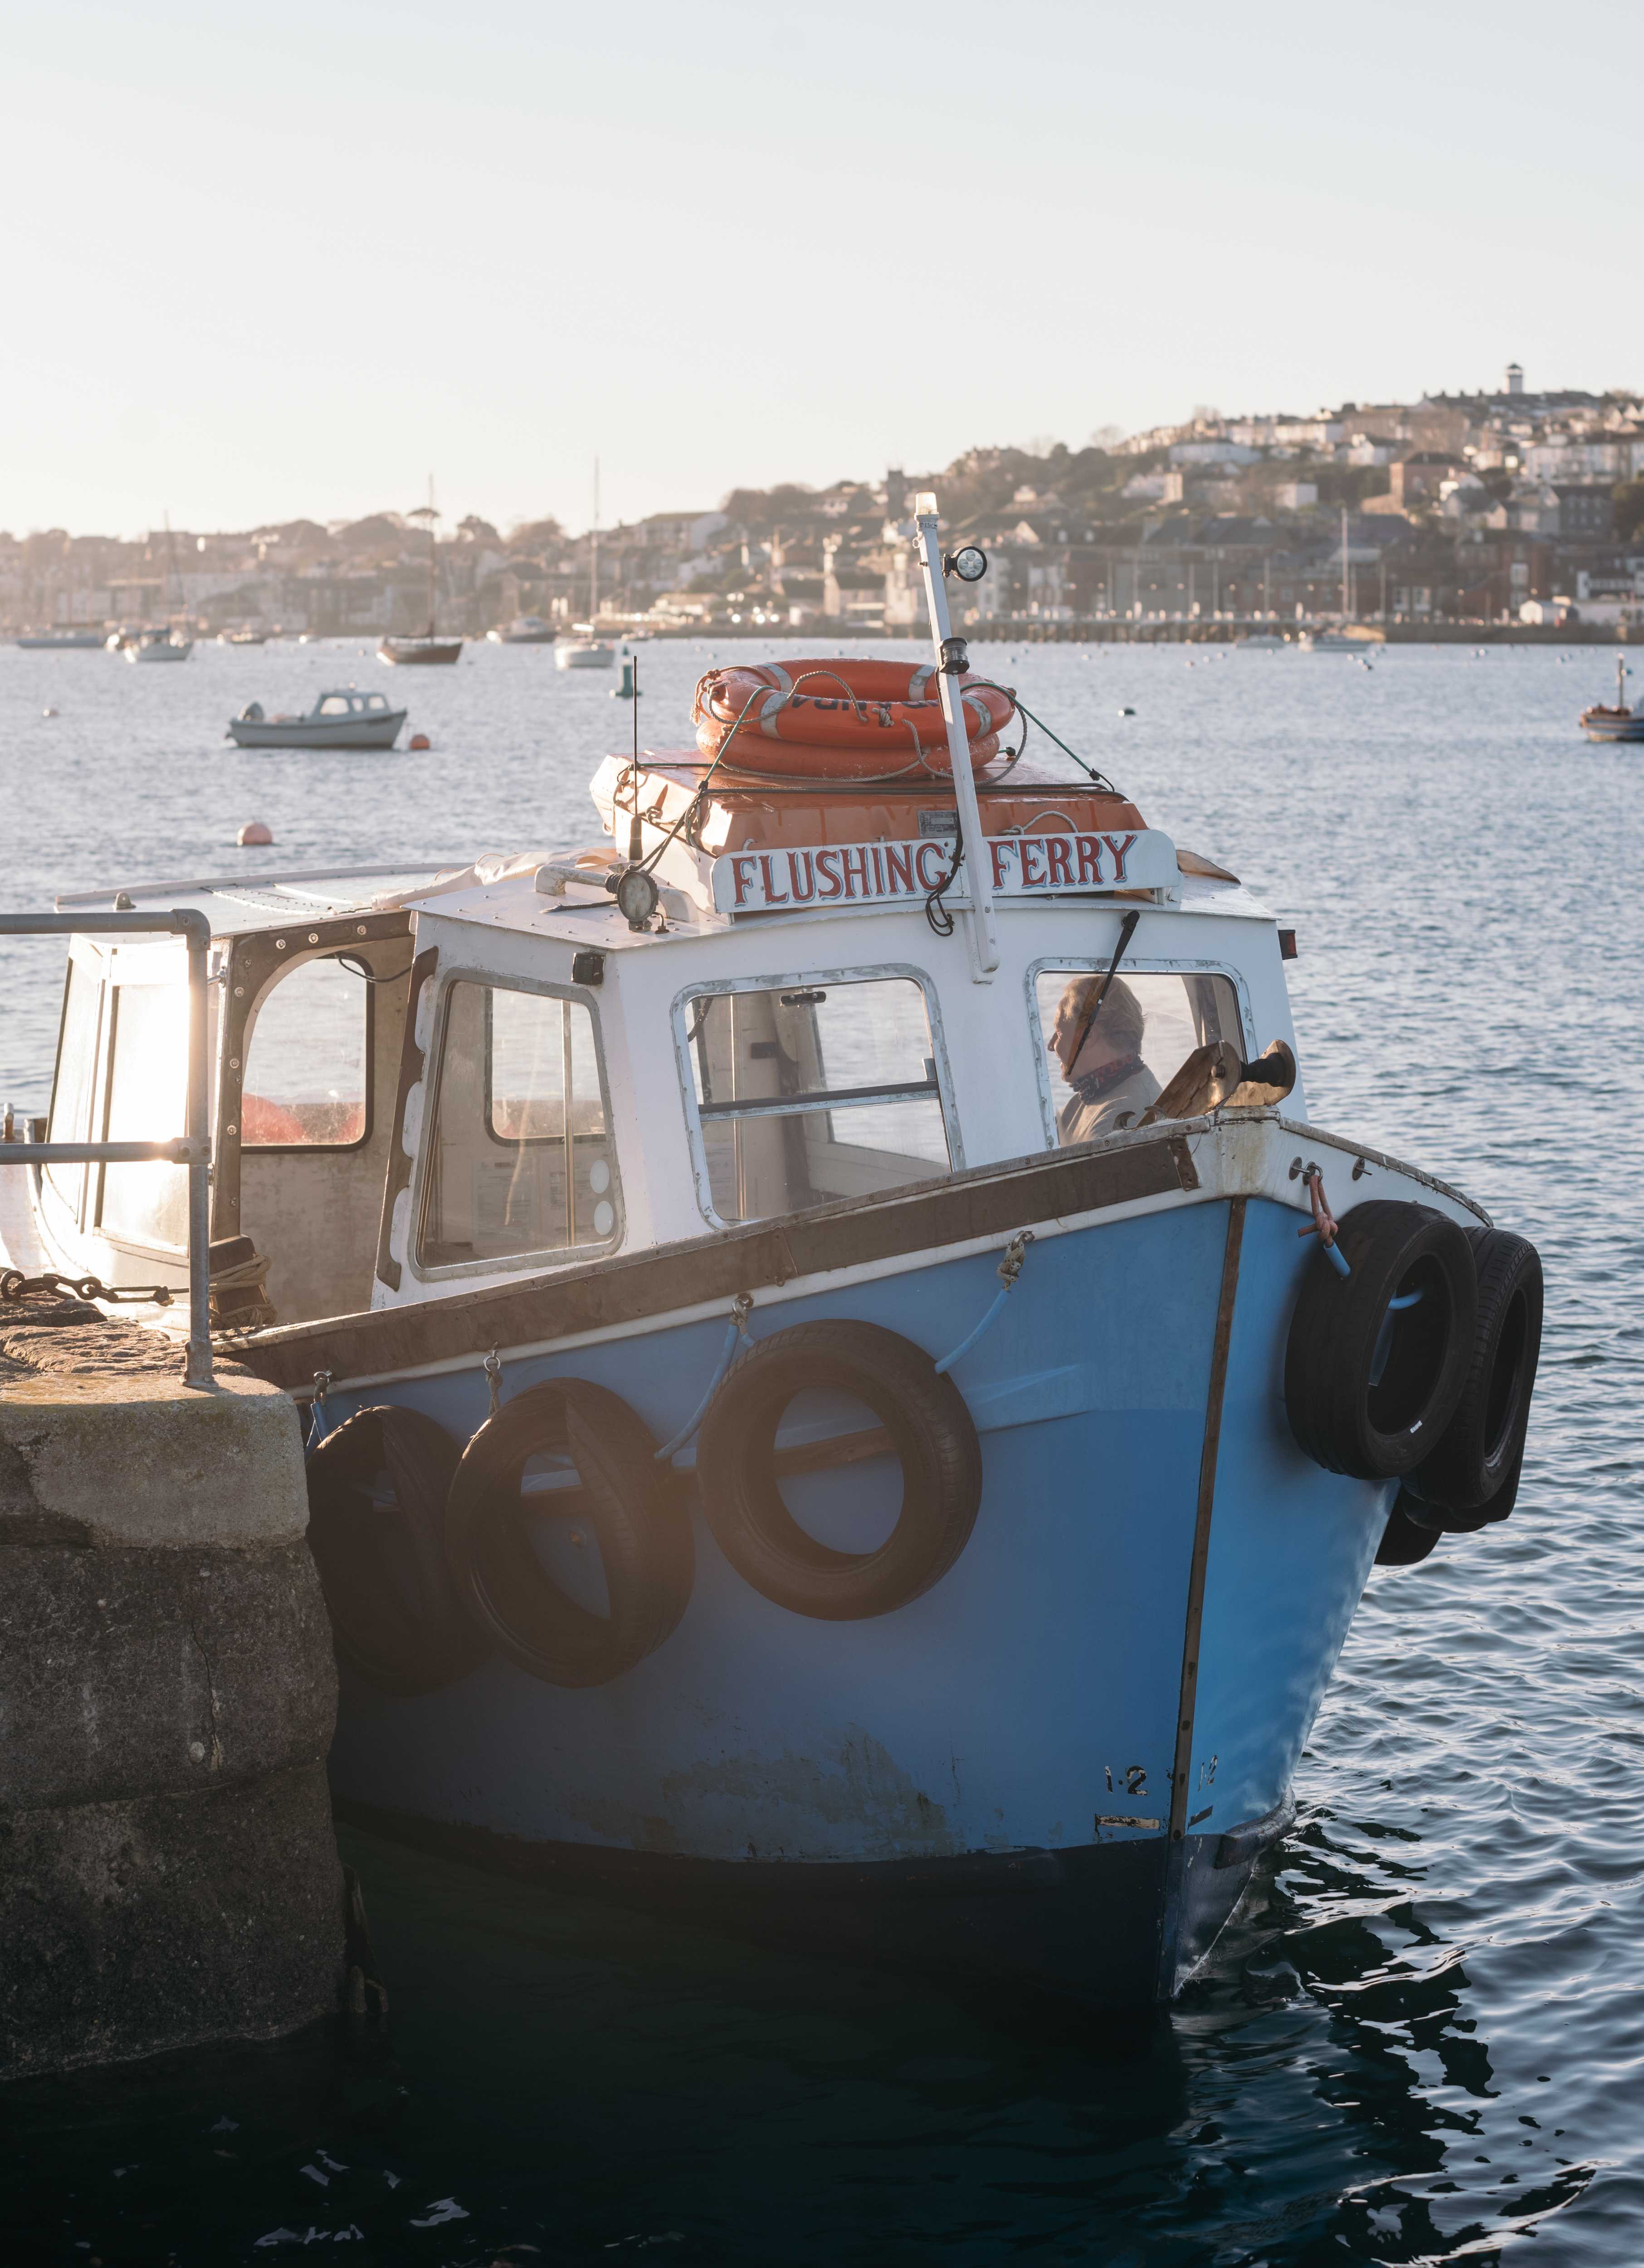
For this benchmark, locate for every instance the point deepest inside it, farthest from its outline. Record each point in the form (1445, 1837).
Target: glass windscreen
(521, 1161)
(148, 1102)
(76, 1069)
(812, 1092)
(307, 1062)
(1105, 1070)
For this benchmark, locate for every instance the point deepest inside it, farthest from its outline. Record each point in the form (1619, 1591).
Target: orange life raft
(842, 719)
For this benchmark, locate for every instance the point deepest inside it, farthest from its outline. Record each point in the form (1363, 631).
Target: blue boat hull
(1057, 1765)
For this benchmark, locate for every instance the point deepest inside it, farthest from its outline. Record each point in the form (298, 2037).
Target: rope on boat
(1009, 1272)
(317, 1427)
(1096, 779)
(741, 1308)
(1324, 1225)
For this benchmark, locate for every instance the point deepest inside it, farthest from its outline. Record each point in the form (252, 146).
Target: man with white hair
(1099, 1049)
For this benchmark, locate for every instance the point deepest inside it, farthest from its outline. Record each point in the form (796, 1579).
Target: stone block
(126, 1928)
(134, 1458)
(128, 1674)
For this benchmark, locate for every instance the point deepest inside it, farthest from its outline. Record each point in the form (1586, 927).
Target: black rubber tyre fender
(395, 1616)
(932, 1434)
(642, 1530)
(1369, 1389)
(1405, 1542)
(1481, 1447)
(1443, 1521)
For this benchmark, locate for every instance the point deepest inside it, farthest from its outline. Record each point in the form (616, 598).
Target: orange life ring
(842, 719)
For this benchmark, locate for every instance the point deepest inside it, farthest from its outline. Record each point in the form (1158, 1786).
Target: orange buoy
(842, 719)
(254, 832)
(418, 741)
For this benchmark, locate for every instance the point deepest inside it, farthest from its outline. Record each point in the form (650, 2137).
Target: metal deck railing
(194, 1149)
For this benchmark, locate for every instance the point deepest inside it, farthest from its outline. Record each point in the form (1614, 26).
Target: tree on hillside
(1629, 501)
(537, 536)
(761, 509)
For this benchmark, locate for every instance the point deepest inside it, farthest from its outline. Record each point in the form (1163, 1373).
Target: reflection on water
(1419, 2038)
(582, 2078)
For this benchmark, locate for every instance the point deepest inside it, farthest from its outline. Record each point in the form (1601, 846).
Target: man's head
(1114, 1037)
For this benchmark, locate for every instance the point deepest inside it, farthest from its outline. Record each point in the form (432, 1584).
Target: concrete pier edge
(168, 1869)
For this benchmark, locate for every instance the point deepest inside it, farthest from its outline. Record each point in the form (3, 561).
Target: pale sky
(264, 262)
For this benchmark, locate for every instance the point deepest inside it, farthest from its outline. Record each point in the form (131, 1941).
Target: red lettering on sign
(855, 863)
(1119, 851)
(798, 869)
(1028, 851)
(1057, 850)
(997, 852)
(742, 879)
(926, 879)
(1090, 857)
(899, 868)
(827, 866)
(878, 873)
(771, 898)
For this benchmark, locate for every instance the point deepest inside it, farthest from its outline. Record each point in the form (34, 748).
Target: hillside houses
(1464, 508)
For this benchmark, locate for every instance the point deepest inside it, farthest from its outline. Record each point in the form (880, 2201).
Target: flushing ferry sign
(896, 873)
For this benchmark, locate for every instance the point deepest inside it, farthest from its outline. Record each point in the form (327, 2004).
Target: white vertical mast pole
(983, 930)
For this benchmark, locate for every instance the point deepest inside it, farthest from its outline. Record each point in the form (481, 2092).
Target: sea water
(1421, 2039)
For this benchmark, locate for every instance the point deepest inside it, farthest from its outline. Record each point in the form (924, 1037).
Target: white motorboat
(55, 640)
(525, 629)
(158, 645)
(1358, 641)
(344, 718)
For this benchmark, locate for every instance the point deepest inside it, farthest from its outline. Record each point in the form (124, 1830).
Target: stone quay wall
(168, 1873)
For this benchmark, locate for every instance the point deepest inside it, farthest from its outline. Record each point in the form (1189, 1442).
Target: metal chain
(15, 1285)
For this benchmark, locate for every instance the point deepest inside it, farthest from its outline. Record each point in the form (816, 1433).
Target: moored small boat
(158, 645)
(525, 629)
(428, 648)
(1619, 722)
(343, 718)
(1358, 640)
(860, 1404)
(584, 651)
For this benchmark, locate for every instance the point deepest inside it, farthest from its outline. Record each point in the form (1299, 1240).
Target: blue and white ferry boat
(848, 1392)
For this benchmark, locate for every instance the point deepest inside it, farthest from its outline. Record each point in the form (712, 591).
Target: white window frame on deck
(512, 1264)
(797, 979)
(1080, 964)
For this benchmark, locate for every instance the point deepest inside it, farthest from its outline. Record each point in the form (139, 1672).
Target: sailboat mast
(433, 563)
(593, 572)
(172, 567)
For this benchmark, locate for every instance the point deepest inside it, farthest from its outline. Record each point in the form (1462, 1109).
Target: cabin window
(308, 1061)
(148, 1102)
(521, 1160)
(335, 704)
(1101, 1077)
(77, 1071)
(810, 1092)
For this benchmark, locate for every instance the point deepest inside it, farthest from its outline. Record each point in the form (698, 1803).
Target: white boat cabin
(425, 1083)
